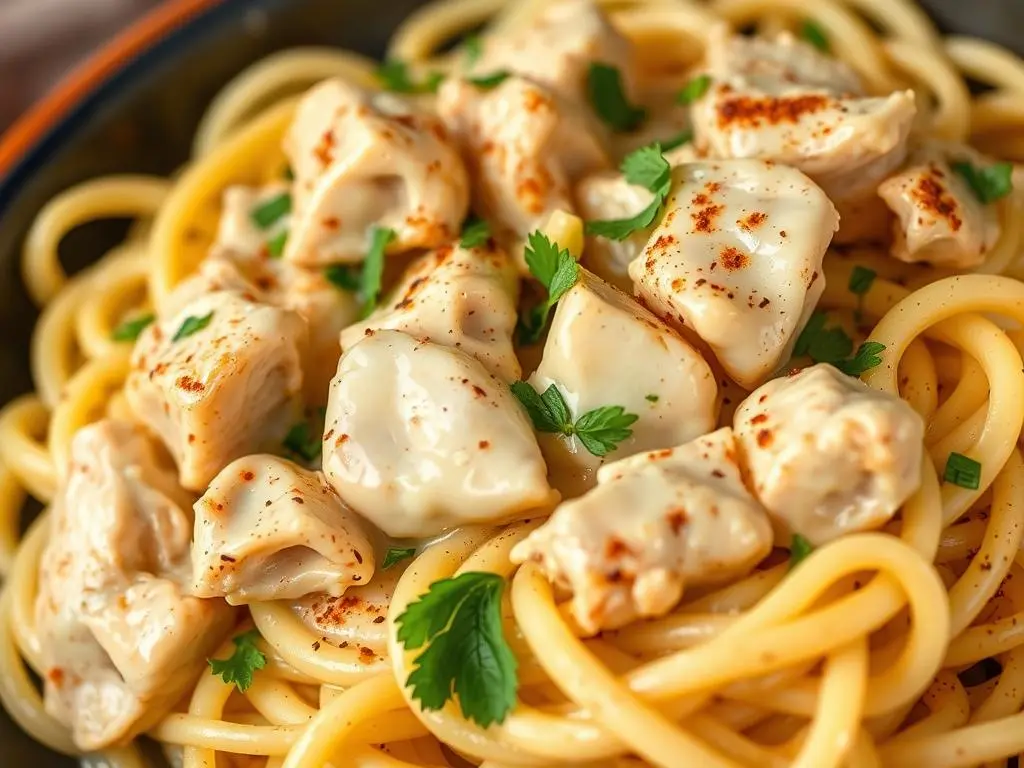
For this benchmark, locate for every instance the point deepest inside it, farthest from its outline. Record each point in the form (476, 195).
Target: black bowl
(135, 110)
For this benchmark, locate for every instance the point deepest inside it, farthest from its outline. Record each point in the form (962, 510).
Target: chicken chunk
(656, 523)
(737, 260)
(460, 297)
(269, 530)
(782, 100)
(366, 160)
(420, 438)
(218, 379)
(525, 147)
(940, 221)
(827, 455)
(669, 386)
(120, 639)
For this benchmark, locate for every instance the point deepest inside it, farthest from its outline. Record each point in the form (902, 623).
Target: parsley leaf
(373, 269)
(812, 33)
(276, 244)
(493, 80)
(963, 471)
(557, 271)
(468, 655)
(303, 442)
(394, 76)
(799, 548)
(475, 232)
(191, 325)
(129, 330)
(648, 168)
(867, 357)
(472, 49)
(608, 97)
(821, 345)
(988, 183)
(694, 89)
(395, 555)
(265, 215)
(241, 665)
(599, 430)
(344, 276)
(683, 137)
(860, 283)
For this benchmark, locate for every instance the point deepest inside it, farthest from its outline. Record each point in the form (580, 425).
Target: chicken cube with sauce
(460, 297)
(737, 260)
(365, 160)
(669, 385)
(785, 101)
(119, 637)
(656, 523)
(217, 379)
(420, 437)
(266, 529)
(940, 221)
(827, 455)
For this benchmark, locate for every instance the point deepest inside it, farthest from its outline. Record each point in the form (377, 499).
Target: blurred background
(40, 40)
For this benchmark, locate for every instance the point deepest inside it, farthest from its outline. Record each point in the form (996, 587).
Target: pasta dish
(590, 383)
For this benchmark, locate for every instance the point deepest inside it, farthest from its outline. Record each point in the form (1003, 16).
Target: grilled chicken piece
(940, 221)
(365, 160)
(596, 331)
(269, 530)
(420, 438)
(737, 260)
(218, 379)
(782, 100)
(827, 455)
(460, 297)
(525, 147)
(119, 637)
(656, 523)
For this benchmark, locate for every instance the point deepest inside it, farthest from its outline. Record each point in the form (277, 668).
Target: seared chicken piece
(460, 297)
(525, 147)
(737, 260)
(119, 638)
(783, 100)
(218, 379)
(940, 220)
(656, 523)
(269, 530)
(668, 384)
(557, 50)
(827, 455)
(365, 160)
(420, 437)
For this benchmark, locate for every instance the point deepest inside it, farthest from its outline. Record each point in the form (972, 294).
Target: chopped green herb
(608, 97)
(129, 330)
(265, 215)
(289, 174)
(860, 283)
(989, 183)
(812, 32)
(276, 244)
(303, 442)
(373, 269)
(963, 471)
(493, 80)
(344, 276)
(472, 49)
(648, 168)
(651, 398)
(557, 271)
(599, 430)
(799, 548)
(475, 232)
(191, 325)
(694, 89)
(395, 555)
(243, 663)
(468, 656)
(868, 355)
(681, 138)
(833, 346)
(394, 76)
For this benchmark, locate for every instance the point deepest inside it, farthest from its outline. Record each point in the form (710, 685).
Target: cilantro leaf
(648, 168)
(468, 655)
(475, 232)
(303, 442)
(493, 80)
(241, 665)
(602, 429)
(344, 276)
(683, 137)
(130, 330)
(191, 325)
(963, 471)
(394, 76)
(557, 271)
(608, 97)
(694, 89)
(867, 357)
(472, 49)
(266, 214)
(988, 183)
(799, 548)
(812, 33)
(373, 269)
(395, 555)
(276, 244)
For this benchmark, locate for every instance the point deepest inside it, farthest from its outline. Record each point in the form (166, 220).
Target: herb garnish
(646, 167)
(694, 89)
(241, 665)
(963, 471)
(989, 183)
(191, 325)
(395, 555)
(475, 232)
(608, 97)
(267, 214)
(129, 330)
(557, 271)
(394, 76)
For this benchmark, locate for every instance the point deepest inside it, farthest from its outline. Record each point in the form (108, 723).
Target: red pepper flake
(246, 475)
(56, 676)
(761, 418)
(676, 520)
(484, 445)
(332, 223)
(765, 438)
(733, 259)
(324, 150)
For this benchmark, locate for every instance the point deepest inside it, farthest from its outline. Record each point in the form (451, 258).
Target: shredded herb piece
(129, 330)
(651, 398)
(344, 276)
(648, 168)
(395, 555)
(276, 244)
(267, 214)
(860, 283)
(867, 356)
(799, 548)
(989, 183)
(811, 32)
(493, 80)
(472, 49)
(833, 346)
(303, 442)
(243, 663)
(608, 97)
(191, 325)
(963, 471)
(475, 232)
(557, 271)
(373, 269)
(694, 90)
(394, 76)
